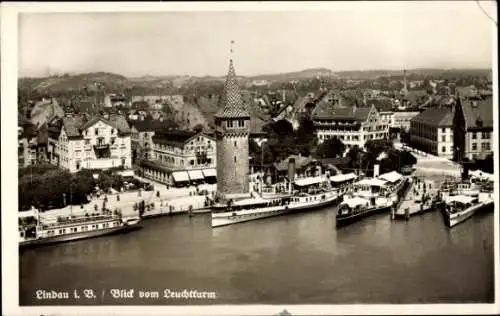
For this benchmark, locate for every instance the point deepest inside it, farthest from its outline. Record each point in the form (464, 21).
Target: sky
(340, 36)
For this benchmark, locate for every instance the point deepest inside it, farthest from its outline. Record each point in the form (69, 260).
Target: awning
(392, 176)
(180, 176)
(195, 174)
(463, 199)
(209, 173)
(343, 177)
(371, 182)
(355, 201)
(309, 181)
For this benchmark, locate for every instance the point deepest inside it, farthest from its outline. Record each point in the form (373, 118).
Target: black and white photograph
(281, 158)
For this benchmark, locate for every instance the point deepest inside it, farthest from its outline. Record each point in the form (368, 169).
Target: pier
(418, 199)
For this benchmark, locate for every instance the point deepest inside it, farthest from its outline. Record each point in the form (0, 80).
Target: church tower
(232, 129)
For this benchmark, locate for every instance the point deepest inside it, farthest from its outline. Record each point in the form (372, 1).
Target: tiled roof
(74, 125)
(381, 104)
(482, 111)
(120, 123)
(330, 112)
(175, 138)
(442, 117)
(148, 125)
(231, 102)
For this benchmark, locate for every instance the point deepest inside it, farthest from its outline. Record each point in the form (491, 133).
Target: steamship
(33, 232)
(313, 193)
(371, 196)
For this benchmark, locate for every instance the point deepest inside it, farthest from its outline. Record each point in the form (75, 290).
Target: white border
(10, 257)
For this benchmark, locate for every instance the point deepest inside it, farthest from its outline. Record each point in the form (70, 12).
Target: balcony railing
(101, 146)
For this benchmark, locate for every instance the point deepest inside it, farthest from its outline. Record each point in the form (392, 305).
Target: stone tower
(232, 129)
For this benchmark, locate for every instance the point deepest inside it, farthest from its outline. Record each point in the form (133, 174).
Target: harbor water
(293, 259)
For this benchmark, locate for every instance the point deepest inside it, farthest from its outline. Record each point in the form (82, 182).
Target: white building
(352, 125)
(402, 118)
(91, 143)
(432, 131)
(112, 100)
(387, 117)
(180, 157)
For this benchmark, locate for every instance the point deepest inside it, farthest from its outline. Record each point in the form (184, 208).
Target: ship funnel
(376, 170)
(465, 171)
(291, 169)
(291, 172)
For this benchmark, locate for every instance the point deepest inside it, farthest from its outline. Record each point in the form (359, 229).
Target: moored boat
(459, 208)
(34, 232)
(355, 208)
(312, 193)
(370, 196)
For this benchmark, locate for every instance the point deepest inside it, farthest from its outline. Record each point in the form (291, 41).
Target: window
(191, 162)
(234, 159)
(485, 135)
(443, 130)
(443, 138)
(485, 146)
(443, 149)
(97, 131)
(474, 135)
(113, 140)
(474, 146)
(235, 144)
(229, 124)
(87, 142)
(241, 123)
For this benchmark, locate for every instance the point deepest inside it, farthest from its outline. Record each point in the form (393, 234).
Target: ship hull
(453, 219)
(346, 220)
(77, 236)
(245, 216)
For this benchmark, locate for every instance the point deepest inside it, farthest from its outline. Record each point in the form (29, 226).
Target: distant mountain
(297, 75)
(90, 81)
(423, 72)
(104, 81)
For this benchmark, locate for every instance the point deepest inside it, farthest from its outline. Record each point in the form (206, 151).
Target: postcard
(253, 158)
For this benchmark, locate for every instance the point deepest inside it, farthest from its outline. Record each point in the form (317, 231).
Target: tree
(280, 128)
(378, 146)
(355, 155)
(198, 128)
(330, 148)
(306, 136)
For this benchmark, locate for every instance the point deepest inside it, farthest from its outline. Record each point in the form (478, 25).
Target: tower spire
(231, 103)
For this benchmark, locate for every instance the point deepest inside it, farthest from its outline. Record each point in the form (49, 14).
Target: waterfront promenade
(180, 198)
(172, 200)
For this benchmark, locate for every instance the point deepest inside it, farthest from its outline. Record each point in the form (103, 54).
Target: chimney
(376, 170)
